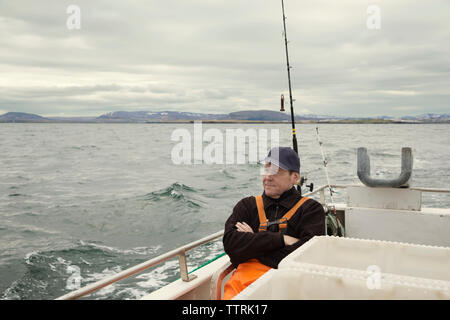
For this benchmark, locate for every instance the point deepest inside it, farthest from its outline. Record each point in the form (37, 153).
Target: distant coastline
(235, 121)
(252, 117)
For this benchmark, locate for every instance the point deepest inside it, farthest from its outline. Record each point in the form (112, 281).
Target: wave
(132, 251)
(227, 174)
(27, 229)
(84, 147)
(177, 192)
(53, 273)
(18, 195)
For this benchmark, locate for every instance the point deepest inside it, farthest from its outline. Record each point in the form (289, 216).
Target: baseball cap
(285, 158)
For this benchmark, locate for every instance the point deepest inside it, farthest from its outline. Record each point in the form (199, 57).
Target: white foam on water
(135, 250)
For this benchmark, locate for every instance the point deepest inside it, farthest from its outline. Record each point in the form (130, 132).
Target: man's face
(277, 180)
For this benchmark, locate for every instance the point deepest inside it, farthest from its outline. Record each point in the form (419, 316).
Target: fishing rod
(294, 136)
(291, 101)
(339, 229)
(338, 226)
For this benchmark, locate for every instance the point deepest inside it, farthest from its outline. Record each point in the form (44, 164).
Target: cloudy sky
(220, 56)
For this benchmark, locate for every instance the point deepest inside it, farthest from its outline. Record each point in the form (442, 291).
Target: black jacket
(268, 246)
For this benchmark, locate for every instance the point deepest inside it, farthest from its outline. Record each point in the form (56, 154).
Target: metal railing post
(322, 196)
(184, 274)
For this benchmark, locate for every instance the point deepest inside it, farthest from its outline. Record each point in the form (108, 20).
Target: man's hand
(243, 227)
(288, 240)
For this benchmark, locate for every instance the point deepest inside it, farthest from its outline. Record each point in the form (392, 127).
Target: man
(262, 230)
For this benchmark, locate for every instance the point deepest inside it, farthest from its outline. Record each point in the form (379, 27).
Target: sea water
(79, 202)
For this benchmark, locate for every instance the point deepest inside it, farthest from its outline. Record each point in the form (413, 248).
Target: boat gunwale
(181, 252)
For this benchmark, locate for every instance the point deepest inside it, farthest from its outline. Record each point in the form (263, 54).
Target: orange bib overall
(247, 272)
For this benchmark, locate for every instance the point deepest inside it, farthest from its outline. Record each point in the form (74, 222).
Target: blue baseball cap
(285, 158)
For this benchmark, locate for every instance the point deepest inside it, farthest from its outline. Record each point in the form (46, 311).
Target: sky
(222, 56)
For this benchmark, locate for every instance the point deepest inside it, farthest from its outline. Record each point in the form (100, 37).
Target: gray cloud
(210, 56)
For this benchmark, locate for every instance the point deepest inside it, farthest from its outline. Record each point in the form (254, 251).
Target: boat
(383, 221)
(379, 244)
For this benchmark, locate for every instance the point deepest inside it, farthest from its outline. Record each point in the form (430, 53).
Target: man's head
(281, 171)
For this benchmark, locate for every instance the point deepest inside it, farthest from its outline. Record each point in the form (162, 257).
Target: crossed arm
(244, 227)
(242, 242)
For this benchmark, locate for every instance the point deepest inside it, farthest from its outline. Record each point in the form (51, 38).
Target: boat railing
(181, 253)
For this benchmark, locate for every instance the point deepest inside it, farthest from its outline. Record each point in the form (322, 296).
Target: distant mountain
(384, 118)
(148, 116)
(433, 116)
(22, 117)
(267, 115)
(264, 115)
(247, 115)
(73, 119)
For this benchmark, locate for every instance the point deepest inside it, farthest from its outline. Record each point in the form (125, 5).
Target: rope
(208, 262)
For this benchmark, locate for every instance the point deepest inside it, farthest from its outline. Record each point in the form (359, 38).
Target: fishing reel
(309, 186)
(333, 224)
